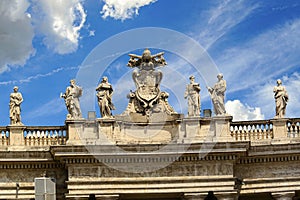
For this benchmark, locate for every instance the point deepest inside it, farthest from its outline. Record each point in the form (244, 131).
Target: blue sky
(45, 43)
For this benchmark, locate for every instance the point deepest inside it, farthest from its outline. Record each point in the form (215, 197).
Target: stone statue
(217, 94)
(15, 107)
(148, 98)
(281, 99)
(192, 95)
(71, 96)
(104, 94)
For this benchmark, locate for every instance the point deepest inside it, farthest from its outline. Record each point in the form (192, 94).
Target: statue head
(16, 88)
(192, 77)
(104, 79)
(146, 55)
(72, 82)
(220, 76)
(279, 82)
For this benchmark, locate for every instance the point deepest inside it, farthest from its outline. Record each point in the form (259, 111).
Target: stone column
(75, 130)
(221, 126)
(279, 128)
(283, 195)
(16, 135)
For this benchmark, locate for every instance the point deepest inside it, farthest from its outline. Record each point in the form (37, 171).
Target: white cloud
(16, 33)
(266, 56)
(241, 112)
(221, 18)
(123, 9)
(60, 23)
(52, 107)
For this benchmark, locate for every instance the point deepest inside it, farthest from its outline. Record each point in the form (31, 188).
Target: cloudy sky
(45, 43)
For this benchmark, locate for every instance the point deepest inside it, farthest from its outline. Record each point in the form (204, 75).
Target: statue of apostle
(15, 107)
(71, 96)
(217, 94)
(104, 95)
(281, 99)
(192, 95)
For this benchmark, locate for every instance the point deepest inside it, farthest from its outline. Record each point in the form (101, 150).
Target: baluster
(297, 130)
(236, 133)
(264, 131)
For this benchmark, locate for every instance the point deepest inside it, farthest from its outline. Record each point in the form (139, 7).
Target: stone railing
(4, 131)
(293, 127)
(45, 135)
(255, 131)
(251, 130)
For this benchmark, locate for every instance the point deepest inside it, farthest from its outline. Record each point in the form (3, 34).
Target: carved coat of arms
(148, 97)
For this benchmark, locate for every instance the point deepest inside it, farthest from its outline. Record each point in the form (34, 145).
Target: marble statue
(15, 107)
(217, 94)
(148, 98)
(281, 99)
(192, 95)
(104, 94)
(71, 96)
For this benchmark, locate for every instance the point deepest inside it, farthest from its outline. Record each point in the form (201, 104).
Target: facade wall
(185, 159)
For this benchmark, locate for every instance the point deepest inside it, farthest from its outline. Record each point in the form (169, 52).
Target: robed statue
(104, 96)
(15, 107)
(71, 97)
(281, 99)
(192, 95)
(217, 94)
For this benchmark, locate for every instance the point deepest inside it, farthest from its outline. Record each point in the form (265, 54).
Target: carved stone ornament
(148, 98)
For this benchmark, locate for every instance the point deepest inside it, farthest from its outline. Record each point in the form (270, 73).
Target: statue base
(153, 118)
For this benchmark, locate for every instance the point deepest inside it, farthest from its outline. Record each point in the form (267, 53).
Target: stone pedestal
(106, 131)
(16, 135)
(75, 130)
(279, 128)
(191, 127)
(283, 195)
(221, 127)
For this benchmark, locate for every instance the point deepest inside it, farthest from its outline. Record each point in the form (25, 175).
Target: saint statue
(71, 96)
(15, 107)
(281, 99)
(192, 95)
(104, 94)
(217, 94)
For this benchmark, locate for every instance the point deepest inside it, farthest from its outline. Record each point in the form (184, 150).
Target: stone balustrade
(293, 127)
(45, 135)
(257, 130)
(4, 136)
(251, 130)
